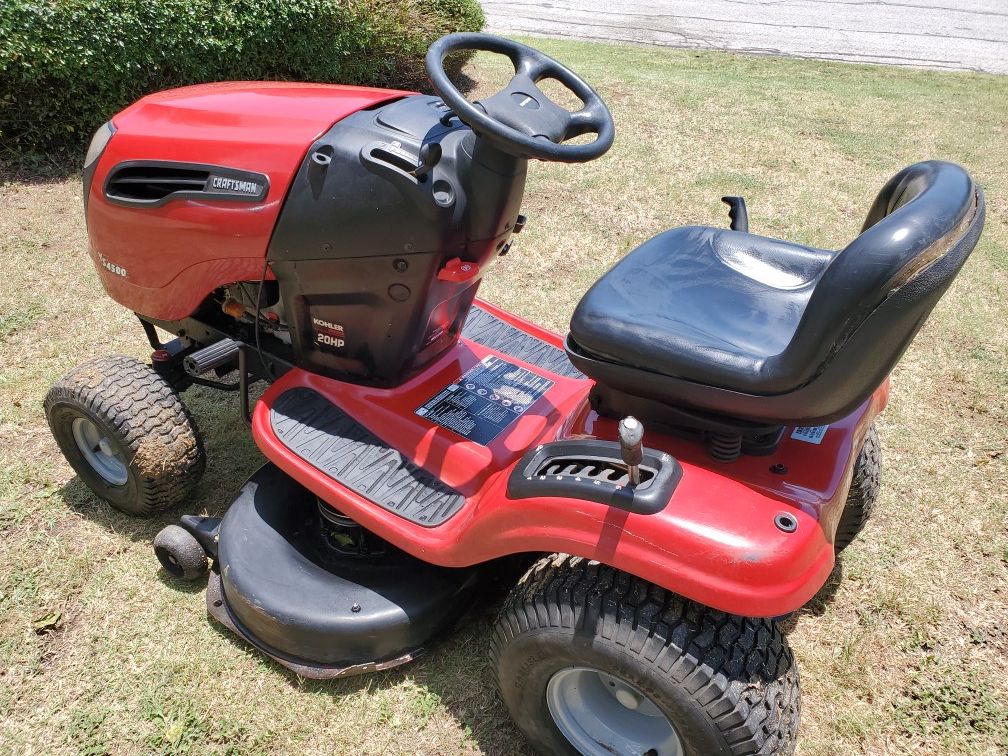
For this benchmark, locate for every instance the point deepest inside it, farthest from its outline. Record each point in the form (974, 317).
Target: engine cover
(392, 219)
(188, 190)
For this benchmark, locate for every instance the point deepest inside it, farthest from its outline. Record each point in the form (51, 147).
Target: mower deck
(322, 600)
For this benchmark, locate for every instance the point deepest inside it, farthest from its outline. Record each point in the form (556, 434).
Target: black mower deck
(492, 332)
(328, 438)
(281, 583)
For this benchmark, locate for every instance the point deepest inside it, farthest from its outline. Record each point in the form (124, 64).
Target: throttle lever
(430, 155)
(631, 441)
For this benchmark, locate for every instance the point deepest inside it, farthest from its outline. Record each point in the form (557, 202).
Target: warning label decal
(486, 400)
(810, 434)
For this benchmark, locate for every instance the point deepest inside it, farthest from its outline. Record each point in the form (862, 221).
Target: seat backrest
(919, 231)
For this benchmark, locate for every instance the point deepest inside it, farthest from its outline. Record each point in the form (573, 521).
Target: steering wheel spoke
(534, 67)
(587, 120)
(521, 119)
(523, 106)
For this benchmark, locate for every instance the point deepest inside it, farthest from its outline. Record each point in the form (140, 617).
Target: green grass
(19, 319)
(905, 651)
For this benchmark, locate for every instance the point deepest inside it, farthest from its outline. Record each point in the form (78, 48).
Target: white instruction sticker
(810, 434)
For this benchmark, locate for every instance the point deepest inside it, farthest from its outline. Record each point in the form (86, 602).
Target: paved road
(951, 34)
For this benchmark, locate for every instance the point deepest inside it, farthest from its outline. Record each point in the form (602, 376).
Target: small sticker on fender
(810, 434)
(111, 266)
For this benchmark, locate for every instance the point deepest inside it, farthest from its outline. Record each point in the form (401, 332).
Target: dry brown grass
(906, 653)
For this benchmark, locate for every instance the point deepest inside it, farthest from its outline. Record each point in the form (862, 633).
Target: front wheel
(180, 554)
(126, 433)
(592, 660)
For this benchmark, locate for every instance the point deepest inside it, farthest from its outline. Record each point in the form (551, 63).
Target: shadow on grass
(454, 673)
(182, 586)
(818, 604)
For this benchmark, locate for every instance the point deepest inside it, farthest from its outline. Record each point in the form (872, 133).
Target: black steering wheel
(521, 119)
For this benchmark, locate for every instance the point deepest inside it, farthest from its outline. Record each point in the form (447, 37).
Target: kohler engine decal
(328, 334)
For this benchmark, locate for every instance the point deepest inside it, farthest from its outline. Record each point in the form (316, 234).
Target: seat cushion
(708, 305)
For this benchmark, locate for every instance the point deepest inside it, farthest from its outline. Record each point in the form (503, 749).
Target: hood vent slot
(149, 184)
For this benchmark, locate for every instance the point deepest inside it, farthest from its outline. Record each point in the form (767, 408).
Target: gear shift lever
(631, 439)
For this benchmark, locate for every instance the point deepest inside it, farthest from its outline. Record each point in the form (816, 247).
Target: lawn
(904, 651)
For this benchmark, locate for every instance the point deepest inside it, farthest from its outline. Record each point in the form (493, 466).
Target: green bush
(66, 66)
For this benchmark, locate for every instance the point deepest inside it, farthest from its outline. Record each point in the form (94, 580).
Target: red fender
(715, 541)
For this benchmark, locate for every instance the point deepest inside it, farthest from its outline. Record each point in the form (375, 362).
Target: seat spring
(725, 447)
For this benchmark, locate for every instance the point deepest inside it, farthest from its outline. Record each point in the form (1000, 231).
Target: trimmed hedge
(66, 66)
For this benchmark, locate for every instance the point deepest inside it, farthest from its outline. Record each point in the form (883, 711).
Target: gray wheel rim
(600, 715)
(97, 449)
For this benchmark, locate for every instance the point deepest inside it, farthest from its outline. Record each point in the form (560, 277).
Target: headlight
(98, 143)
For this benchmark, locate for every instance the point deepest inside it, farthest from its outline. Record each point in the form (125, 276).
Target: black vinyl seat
(738, 325)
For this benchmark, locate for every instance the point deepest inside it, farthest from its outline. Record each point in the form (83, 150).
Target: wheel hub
(601, 714)
(98, 451)
(627, 697)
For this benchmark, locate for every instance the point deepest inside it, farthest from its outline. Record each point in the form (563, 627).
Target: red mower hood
(162, 261)
(274, 114)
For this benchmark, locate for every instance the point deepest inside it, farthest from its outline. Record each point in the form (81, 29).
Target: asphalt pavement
(940, 34)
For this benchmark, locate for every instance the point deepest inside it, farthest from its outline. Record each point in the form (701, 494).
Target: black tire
(144, 424)
(180, 553)
(728, 684)
(863, 492)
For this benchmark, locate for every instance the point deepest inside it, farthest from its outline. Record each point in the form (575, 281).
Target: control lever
(631, 441)
(430, 155)
(737, 213)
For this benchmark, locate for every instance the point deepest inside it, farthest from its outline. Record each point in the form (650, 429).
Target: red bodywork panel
(715, 541)
(176, 254)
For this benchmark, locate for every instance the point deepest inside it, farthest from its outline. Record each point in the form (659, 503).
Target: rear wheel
(592, 660)
(126, 433)
(863, 491)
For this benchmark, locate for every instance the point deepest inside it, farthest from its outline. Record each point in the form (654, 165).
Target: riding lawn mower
(655, 489)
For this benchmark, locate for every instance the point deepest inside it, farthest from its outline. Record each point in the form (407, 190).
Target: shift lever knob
(631, 439)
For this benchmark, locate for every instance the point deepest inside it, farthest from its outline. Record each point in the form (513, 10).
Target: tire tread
(739, 669)
(150, 419)
(864, 490)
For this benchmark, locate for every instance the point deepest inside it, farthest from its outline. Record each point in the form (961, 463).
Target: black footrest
(329, 439)
(487, 329)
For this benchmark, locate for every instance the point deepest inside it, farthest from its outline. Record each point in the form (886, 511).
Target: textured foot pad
(329, 439)
(493, 333)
